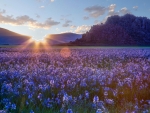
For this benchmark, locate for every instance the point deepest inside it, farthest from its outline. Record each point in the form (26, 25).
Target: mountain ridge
(6, 32)
(62, 38)
(8, 37)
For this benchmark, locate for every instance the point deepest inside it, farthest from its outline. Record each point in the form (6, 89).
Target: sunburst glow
(37, 39)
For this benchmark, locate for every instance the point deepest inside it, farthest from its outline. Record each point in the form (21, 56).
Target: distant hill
(55, 39)
(127, 30)
(11, 38)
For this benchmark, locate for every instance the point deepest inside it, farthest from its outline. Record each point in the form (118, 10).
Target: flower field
(70, 80)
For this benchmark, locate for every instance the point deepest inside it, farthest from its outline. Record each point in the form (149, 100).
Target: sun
(40, 43)
(37, 39)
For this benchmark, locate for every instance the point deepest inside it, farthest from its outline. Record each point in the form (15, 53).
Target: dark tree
(127, 30)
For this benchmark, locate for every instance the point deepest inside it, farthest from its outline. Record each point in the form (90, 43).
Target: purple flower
(31, 111)
(13, 106)
(69, 111)
(87, 94)
(95, 99)
(98, 111)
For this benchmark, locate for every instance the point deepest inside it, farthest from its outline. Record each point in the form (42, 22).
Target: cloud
(46, 25)
(68, 31)
(43, 0)
(85, 17)
(82, 29)
(96, 11)
(97, 22)
(57, 29)
(20, 20)
(135, 7)
(39, 0)
(63, 17)
(67, 23)
(112, 7)
(37, 16)
(42, 7)
(124, 11)
(111, 10)
(112, 13)
(73, 26)
(27, 21)
(2, 11)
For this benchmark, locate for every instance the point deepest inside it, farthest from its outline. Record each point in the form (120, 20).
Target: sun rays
(35, 45)
(44, 45)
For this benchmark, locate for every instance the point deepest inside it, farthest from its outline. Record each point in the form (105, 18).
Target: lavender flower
(95, 99)
(98, 111)
(69, 111)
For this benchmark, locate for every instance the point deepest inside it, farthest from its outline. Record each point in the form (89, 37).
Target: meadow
(75, 80)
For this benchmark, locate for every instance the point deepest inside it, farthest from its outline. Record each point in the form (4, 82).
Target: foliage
(127, 30)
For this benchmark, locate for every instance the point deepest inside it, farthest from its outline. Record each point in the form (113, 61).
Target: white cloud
(27, 21)
(67, 23)
(85, 17)
(57, 29)
(37, 16)
(39, 0)
(112, 13)
(73, 26)
(124, 11)
(135, 7)
(97, 22)
(96, 11)
(46, 25)
(111, 10)
(42, 6)
(82, 29)
(20, 20)
(112, 7)
(2, 11)
(43, 0)
(69, 31)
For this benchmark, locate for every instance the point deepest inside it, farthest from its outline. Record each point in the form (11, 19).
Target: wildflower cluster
(93, 80)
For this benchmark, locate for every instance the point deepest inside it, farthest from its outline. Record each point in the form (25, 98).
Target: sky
(38, 18)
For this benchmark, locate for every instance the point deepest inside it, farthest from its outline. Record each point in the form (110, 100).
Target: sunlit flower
(98, 111)
(65, 98)
(13, 106)
(95, 99)
(31, 111)
(105, 94)
(69, 111)
(87, 94)
(109, 101)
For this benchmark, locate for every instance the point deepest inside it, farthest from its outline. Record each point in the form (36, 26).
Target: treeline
(127, 30)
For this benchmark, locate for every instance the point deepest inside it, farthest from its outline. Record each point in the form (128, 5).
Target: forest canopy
(127, 30)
